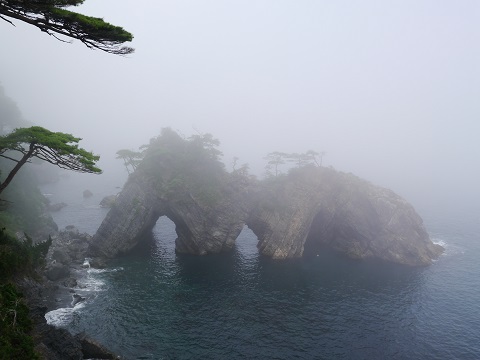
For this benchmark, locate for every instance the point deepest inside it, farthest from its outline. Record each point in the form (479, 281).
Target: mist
(389, 91)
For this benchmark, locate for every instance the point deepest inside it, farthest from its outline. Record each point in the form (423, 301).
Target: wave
(450, 248)
(62, 316)
(90, 283)
(101, 271)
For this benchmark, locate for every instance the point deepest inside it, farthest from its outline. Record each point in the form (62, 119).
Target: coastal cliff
(300, 213)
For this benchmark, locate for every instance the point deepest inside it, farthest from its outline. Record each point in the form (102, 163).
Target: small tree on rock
(274, 161)
(56, 148)
(130, 158)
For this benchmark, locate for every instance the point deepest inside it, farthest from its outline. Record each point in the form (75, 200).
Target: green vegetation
(56, 148)
(23, 207)
(130, 158)
(17, 257)
(51, 17)
(185, 167)
(276, 159)
(20, 257)
(15, 326)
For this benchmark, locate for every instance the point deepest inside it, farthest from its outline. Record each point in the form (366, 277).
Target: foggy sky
(390, 90)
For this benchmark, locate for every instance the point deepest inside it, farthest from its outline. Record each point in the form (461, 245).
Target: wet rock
(57, 271)
(69, 246)
(98, 263)
(76, 299)
(70, 282)
(56, 343)
(91, 349)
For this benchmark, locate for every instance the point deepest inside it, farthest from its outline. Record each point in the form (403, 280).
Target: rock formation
(201, 228)
(302, 212)
(315, 208)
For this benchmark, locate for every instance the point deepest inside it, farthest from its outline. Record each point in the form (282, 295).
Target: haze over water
(155, 305)
(388, 89)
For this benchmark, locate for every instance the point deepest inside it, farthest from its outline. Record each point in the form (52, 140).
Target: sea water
(154, 304)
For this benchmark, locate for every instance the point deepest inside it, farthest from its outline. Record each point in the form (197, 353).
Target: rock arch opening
(164, 233)
(246, 243)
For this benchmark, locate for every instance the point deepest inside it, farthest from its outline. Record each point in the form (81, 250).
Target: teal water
(154, 304)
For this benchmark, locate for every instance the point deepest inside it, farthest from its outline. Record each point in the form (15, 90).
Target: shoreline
(53, 289)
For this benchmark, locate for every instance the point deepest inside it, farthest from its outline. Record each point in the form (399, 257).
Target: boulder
(76, 298)
(56, 207)
(108, 201)
(91, 349)
(70, 282)
(61, 256)
(69, 246)
(57, 271)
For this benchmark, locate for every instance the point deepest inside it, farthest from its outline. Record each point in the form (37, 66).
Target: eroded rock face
(322, 207)
(304, 211)
(310, 208)
(201, 228)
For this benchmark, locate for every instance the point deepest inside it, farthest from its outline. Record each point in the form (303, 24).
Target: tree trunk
(17, 167)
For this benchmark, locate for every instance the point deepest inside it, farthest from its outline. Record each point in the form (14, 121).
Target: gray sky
(389, 89)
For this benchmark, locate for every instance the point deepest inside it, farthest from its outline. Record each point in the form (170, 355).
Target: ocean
(154, 304)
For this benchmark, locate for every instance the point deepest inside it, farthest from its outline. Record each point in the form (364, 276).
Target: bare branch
(1, 17)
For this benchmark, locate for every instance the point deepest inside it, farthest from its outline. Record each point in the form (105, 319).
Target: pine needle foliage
(56, 148)
(52, 17)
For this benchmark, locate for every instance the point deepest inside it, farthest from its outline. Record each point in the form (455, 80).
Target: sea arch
(200, 230)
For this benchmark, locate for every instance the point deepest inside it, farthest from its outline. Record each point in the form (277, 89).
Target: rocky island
(293, 215)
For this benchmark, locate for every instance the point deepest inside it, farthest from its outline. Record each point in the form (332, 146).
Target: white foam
(62, 316)
(440, 242)
(90, 284)
(101, 271)
(450, 249)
